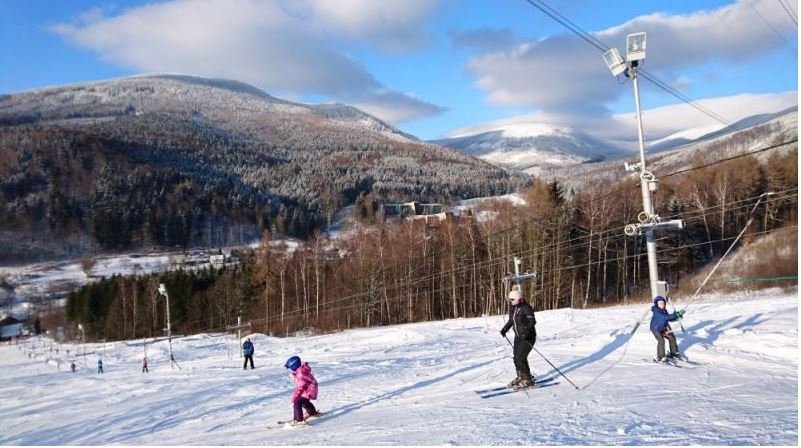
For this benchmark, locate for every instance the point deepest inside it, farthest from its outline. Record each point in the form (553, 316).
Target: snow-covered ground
(414, 384)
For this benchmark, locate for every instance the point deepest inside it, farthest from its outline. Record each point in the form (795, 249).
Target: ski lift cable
(405, 296)
(494, 264)
(528, 254)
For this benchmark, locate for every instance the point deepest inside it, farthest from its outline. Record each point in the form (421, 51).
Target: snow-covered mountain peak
(528, 145)
(523, 130)
(227, 84)
(178, 94)
(516, 129)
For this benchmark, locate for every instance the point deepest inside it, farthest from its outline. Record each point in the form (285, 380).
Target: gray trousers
(660, 344)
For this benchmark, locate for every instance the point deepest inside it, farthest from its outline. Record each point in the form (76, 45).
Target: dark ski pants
(250, 357)
(521, 350)
(660, 344)
(299, 405)
(144, 369)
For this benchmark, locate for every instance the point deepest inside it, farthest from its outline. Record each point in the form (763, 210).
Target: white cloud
(287, 48)
(393, 25)
(563, 74)
(394, 107)
(661, 122)
(658, 123)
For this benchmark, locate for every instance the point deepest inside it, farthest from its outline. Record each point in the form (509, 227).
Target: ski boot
(515, 381)
(313, 416)
(525, 383)
(677, 356)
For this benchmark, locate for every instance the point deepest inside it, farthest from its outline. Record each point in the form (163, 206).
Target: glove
(503, 333)
(680, 313)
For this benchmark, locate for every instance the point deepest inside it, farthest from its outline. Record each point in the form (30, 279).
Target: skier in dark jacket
(247, 350)
(660, 327)
(521, 318)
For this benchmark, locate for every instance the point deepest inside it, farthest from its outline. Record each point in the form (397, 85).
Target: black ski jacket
(521, 318)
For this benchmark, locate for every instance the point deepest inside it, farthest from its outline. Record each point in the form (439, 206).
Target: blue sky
(427, 66)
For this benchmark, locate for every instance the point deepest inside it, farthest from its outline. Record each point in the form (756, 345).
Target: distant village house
(410, 209)
(10, 328)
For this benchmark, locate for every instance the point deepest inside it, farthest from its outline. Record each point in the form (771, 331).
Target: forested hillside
(177, 160)
(410, 270)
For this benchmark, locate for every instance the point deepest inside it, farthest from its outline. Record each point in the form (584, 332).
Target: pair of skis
(505, 390)
(294, 424)
(681, 363)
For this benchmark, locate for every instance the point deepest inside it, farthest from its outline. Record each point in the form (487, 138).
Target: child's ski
(293, 423)
(685, 360)
(670, 363)
(500, 388)
(289, 424)
(511, 391)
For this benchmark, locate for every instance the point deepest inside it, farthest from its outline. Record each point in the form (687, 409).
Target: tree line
(411, 270)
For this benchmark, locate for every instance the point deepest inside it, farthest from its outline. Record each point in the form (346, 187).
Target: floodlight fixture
(635, 47)
(614, 61)
(80, 327)
(163, 291)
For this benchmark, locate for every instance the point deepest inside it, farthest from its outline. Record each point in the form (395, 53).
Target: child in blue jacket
(661, 329)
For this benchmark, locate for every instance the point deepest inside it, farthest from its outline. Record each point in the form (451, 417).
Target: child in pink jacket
(305, 388)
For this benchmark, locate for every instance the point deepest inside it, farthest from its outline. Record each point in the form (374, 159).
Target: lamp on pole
(83, 347)
(649, 221)
(163, 291)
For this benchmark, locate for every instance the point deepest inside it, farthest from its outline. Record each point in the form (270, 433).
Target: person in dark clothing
(247, 350)
(660, 327)
(99, 365)
(521, 318)
(144, 365)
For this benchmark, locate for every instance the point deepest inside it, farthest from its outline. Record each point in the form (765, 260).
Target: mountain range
(182, 160)
(539, 148)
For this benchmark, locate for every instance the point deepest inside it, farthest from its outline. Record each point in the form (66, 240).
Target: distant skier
(99, 365)
(72, 366)
(521, 318)
(144, 365)
(305, 388)
(661, 329)
(247, 350)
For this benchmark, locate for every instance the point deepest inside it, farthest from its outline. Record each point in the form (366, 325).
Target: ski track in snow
(413, 384)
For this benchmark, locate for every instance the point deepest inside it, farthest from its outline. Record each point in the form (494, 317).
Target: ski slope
(413, 384)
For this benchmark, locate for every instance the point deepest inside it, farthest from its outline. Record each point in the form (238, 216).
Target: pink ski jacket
(305, 383)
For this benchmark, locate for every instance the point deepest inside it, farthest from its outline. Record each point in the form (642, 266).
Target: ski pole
(546, 360)
(556, 368)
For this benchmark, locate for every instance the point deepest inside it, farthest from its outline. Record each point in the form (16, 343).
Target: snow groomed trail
(414, 384)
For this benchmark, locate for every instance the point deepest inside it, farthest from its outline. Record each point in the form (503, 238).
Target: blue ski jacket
(247, 348)
(660, 318)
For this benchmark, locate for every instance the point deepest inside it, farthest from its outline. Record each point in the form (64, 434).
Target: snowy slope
(413, 384)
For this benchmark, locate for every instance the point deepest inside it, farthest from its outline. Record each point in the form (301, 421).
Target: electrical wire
(592, 40)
